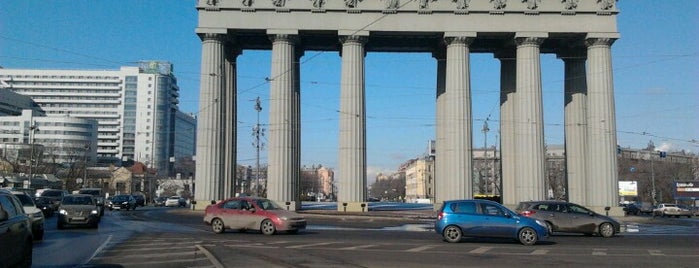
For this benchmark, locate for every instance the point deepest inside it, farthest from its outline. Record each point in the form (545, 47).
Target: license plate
(79, 218)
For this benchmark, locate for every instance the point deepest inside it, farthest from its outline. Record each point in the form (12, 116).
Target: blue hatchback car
(483, 218)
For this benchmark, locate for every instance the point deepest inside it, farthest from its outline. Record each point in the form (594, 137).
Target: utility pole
(257, 131)
(652, 173)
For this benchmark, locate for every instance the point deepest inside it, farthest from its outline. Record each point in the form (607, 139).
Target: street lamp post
(32, 128)
(87, 148)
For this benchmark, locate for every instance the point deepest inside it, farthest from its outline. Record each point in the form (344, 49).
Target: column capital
(453, 40)
(354, 39)
(281, 37)
(212, 37)
(599, 41)
(529, 41)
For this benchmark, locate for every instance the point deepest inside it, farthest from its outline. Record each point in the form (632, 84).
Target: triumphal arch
(516, 32)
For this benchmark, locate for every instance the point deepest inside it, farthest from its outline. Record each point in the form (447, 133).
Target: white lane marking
(480, 250)
(312, 245)
(540, 252)
(655, 252)
(211, 257)
(599, 251)
(420, 248)
(357, 247)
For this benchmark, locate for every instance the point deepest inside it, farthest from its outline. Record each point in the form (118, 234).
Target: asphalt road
(177, 237)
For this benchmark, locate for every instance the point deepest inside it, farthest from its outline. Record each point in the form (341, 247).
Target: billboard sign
(628, 188)
(686, 189)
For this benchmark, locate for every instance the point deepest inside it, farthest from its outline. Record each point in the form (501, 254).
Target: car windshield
(266, 204)
(77, 200)
(120, 198)
(91, 192)
(26, 200)
(51, 193)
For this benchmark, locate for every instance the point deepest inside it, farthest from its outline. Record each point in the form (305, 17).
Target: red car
(252, 213)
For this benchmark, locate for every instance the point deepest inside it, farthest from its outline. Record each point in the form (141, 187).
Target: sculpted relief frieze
(398, 6)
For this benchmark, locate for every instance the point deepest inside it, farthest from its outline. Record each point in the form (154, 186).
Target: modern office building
(135, 107)
(48, 140)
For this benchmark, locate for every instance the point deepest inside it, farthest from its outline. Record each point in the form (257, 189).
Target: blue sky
(655, 75)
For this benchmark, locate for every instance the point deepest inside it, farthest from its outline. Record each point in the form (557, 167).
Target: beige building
(419, 181)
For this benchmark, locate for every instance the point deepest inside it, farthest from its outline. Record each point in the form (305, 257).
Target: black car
(47, 206)
(123, 201)
(140, 200)
(632, 209)
(16, 240)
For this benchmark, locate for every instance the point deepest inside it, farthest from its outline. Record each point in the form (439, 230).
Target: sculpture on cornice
(425, 3)
(462, 4)
(499, 4)
(279, 3)
(247, 3)
(606, 4)
(531, 4)
(570, 4)
(351, 3)
(318, 3)
(392, 4)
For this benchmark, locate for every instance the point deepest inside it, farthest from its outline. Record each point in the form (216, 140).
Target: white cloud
(667, 147)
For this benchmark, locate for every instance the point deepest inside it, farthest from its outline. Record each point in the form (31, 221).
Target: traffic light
(662, 154)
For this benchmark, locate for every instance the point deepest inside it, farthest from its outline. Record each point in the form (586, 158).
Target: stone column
(210, 123)
(508, 83)
(457, 182)
(440, 169)
(283, 170)
(352, 137)
(575, 121)
(529, 120)
(602, 183)
(229, 99)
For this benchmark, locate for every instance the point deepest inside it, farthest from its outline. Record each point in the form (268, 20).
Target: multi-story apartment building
(419, 180)
(135, 108)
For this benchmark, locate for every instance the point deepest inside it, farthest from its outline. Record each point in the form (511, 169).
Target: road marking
(599, 252)
(655, 252)
(480, 250)
(211, 257)
(540, 252)
(421, 248)
(357, 247)
(312, 245)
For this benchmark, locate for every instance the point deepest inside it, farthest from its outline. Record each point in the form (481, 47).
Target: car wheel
(527, 236)
(452, 234)
(95, 225)
(217, 226)
(606, 229)
(60, 225)
(267, 227)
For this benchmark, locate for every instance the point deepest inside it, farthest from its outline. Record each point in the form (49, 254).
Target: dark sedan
(123, 201)
(47, 206)
(561, 216)
(78, 209)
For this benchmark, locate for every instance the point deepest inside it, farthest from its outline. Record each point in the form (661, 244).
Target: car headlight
(63, 211)
(38, 215)
(541, 223)
(284, 218)
(94, 211)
